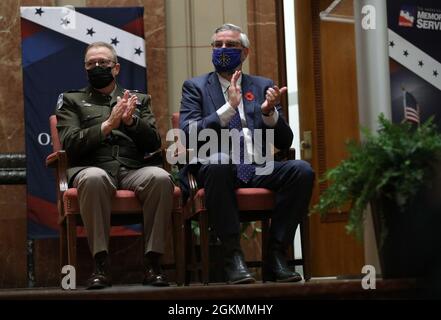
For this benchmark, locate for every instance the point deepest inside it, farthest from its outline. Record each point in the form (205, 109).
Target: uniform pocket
(91, 116)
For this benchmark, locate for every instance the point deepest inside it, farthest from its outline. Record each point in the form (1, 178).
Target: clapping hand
(272, 98)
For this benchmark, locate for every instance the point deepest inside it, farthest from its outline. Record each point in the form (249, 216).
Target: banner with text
(415, 55)
(53, 44)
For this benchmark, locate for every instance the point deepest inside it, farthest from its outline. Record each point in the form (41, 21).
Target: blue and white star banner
(54, 40)
(415, 56)
(84, 28)
(414, 59)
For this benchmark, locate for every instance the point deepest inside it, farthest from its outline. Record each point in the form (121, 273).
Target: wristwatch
(268, 114)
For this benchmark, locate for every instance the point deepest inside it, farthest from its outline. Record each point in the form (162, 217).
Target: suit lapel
(248, 98)
(215, 91)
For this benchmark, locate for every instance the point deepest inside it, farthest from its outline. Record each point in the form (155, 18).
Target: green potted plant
(395, 171)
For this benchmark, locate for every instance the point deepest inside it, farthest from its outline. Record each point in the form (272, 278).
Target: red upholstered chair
(126, 208)
(255, 204)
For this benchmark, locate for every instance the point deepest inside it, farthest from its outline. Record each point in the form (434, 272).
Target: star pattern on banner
(39, 11)
(138, 51)
(413, 58)
(65, 21)
(114, 41)
(60, 19)
(90, 32)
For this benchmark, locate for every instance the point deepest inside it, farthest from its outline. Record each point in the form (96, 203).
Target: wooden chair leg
(304, 233)
(265, 239)
(203, 225)
(179, 247)
(188, 250)
(63, 246)
(71, 240)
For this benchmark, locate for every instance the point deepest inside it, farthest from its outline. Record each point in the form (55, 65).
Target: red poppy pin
(249, 96)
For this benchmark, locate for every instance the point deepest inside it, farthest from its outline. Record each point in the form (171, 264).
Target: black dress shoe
(100, 277)
(236, 270)
(98, 281)
(276, 269)
(153, 274)
(155, 278)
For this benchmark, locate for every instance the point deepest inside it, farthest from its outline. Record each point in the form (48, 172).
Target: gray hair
(229, 26)
(99, 44)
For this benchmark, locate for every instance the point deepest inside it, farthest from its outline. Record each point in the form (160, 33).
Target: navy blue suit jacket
(202, 96)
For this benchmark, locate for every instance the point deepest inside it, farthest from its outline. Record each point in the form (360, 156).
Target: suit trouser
(292, 181)
(152, 186)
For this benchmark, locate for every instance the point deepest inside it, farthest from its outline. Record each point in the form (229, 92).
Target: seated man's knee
(93, 177)
(159, 177)
(302, 170)
(162, 177)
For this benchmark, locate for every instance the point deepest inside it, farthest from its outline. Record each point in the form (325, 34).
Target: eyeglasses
(228, 44)
(103, 63)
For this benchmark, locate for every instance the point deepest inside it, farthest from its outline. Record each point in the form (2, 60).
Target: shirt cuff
(226, 113)
(271, 121)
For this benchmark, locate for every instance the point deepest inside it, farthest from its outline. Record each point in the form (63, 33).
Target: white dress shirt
(227, 112)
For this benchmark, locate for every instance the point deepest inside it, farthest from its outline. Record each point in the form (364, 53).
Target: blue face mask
(226, 59)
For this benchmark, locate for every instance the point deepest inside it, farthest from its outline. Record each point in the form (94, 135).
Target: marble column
(262, 34)
(13, 216)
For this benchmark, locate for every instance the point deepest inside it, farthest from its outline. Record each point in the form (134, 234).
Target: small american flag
(411, 108)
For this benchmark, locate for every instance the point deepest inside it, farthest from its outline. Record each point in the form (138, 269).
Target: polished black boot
(235, 268)
(100, 278)
(153, 274)
(275, 266)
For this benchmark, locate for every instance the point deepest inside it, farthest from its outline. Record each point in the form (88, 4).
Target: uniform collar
(96, 95)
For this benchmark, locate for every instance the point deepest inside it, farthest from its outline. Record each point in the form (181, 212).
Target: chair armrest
(156, 157)
(193, 185)
(58, 161)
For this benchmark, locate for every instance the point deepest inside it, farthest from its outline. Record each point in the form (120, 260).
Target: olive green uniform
(101, 164)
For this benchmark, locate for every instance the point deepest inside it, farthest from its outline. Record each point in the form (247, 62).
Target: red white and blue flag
(411, 109)
(53, 43)
(415, 60)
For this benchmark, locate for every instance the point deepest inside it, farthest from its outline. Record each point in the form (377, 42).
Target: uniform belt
(117, 151)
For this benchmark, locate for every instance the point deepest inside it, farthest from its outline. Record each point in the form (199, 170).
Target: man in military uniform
(106, 131)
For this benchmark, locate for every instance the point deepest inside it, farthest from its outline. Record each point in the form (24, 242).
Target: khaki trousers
(153, 187)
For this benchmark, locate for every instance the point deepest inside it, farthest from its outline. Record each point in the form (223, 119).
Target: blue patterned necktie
(244, 171)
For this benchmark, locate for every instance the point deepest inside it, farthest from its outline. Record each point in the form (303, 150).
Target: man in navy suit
(228, 99)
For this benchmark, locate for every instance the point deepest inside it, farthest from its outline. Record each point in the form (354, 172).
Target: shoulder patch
(60, 102)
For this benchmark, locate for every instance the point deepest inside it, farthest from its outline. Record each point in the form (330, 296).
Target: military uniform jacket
(80, 114)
